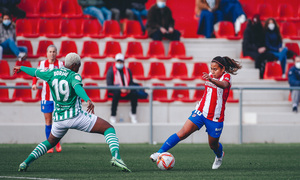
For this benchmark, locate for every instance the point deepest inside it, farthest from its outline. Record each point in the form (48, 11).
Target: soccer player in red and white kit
(47, 104)
(210, 109)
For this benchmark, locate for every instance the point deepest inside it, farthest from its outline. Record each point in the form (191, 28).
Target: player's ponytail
(231, 65)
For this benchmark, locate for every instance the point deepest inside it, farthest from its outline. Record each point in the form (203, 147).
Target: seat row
(91, 70)
(78, 28)
(160, 95)
(90, 49)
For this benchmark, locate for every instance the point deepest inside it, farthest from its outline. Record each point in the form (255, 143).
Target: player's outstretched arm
(27, 70)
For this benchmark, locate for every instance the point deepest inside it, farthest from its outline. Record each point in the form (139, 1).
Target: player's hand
(34, 87)
(90, 108)
(206, 76)
(17, 69)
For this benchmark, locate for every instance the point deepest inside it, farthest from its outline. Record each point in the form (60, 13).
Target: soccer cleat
(58, 147)
(218, 161)
(119, 163)
(23, 167)
(154, 156)
(50, 150)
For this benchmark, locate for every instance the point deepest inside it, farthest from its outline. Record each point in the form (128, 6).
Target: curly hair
(231, 65)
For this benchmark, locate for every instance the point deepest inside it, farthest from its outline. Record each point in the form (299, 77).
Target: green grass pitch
(193, 161)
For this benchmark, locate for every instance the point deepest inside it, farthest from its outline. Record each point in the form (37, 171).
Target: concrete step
(271, 118)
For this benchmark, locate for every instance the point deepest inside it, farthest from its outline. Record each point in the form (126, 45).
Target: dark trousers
(15, 11)
(116, 96)
(158, 36)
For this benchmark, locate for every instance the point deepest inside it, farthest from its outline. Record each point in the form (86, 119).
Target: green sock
(112, 141)
(40, 150)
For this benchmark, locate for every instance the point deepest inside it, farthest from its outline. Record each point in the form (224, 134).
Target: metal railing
(150, 92)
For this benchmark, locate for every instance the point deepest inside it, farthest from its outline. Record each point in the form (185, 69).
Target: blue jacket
(294, 76)
(273, 42)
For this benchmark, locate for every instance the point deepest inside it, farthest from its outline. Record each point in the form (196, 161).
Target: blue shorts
(47, 106)
(214, 129)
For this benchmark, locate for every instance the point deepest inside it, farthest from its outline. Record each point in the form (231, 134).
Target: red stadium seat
(66, 48)
(91, 49)
(27, 44)
(42, 47)
(157, 50)
(226, 30)
(111, 28)
(107, 66)
(265, 10)
(70, 9)
(91, 70)
(49, 9)
(24, 95)
(4, 94)
(30, 7)
(71, 28)
(137, 70)
(94, 94)
(272, 70)
(27, 28)
(199, 69)
(135, 50)
(92, 28)
(5, 70)
(179, 71)
(230, 98)
(161, 95)
(285, 12)
(50, 28)
(23, 74)
(289, 30)
(150, 3)
(133, 29)
(245, 57)
(177, 50)
(157, 70)
(199, 92)
(182, 95)
(112, 48)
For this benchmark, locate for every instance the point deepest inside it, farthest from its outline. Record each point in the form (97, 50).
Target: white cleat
(133, 118)
(218, 161)
(154, 156)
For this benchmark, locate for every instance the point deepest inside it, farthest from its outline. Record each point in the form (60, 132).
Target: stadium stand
(112, 29)
(156, 49)
(22, 74)
(42, 47)
(27, 44)
(94, 94)
(158, 71)
(135, 50)
(68, 46)
(177, 50)
(179, 71)
(24, 95)
(182, 95)
(50, 28)
(5, 70)
(27, 28)
(132, 28)
(91, 49)
(49, 9)
(92, 28)
(91, 70)
(161, 95)
(112, 48)
(4, 94)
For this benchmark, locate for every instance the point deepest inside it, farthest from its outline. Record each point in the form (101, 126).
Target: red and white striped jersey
(45, 65)
(212, 103)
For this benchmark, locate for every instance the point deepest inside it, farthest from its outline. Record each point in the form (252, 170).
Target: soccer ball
(165, 161)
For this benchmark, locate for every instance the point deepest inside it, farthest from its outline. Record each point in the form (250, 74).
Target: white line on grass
(13, 177)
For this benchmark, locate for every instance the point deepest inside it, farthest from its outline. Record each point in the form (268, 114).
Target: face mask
(297, 64)
(161, 4)
(119, 66)
(271, 26)
(6, 22)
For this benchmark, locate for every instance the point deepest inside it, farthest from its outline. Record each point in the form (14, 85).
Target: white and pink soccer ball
(165, 161)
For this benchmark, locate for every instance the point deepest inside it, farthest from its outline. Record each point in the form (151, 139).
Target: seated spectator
(209, 14)
(160, 22)
(119, 75)
(233, 11)
(12, 8)
(294, 81)
(8, 38)
(254, 44)
(274, 42)
(139, 10)
(120, 9)
(96, 8)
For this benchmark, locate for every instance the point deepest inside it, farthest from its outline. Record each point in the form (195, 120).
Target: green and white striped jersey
(62, 82)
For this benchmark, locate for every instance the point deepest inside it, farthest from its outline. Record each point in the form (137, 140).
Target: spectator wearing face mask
(294, 81)
(160, 22)
(8, 38)
(119, 75)
(273, 40)
(254, 44)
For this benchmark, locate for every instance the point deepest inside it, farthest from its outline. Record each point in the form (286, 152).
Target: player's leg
(191, 125)
(214, 130)
(40, 150)
(103, 127)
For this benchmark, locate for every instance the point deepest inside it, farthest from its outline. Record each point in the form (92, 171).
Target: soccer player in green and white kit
(66, 88)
